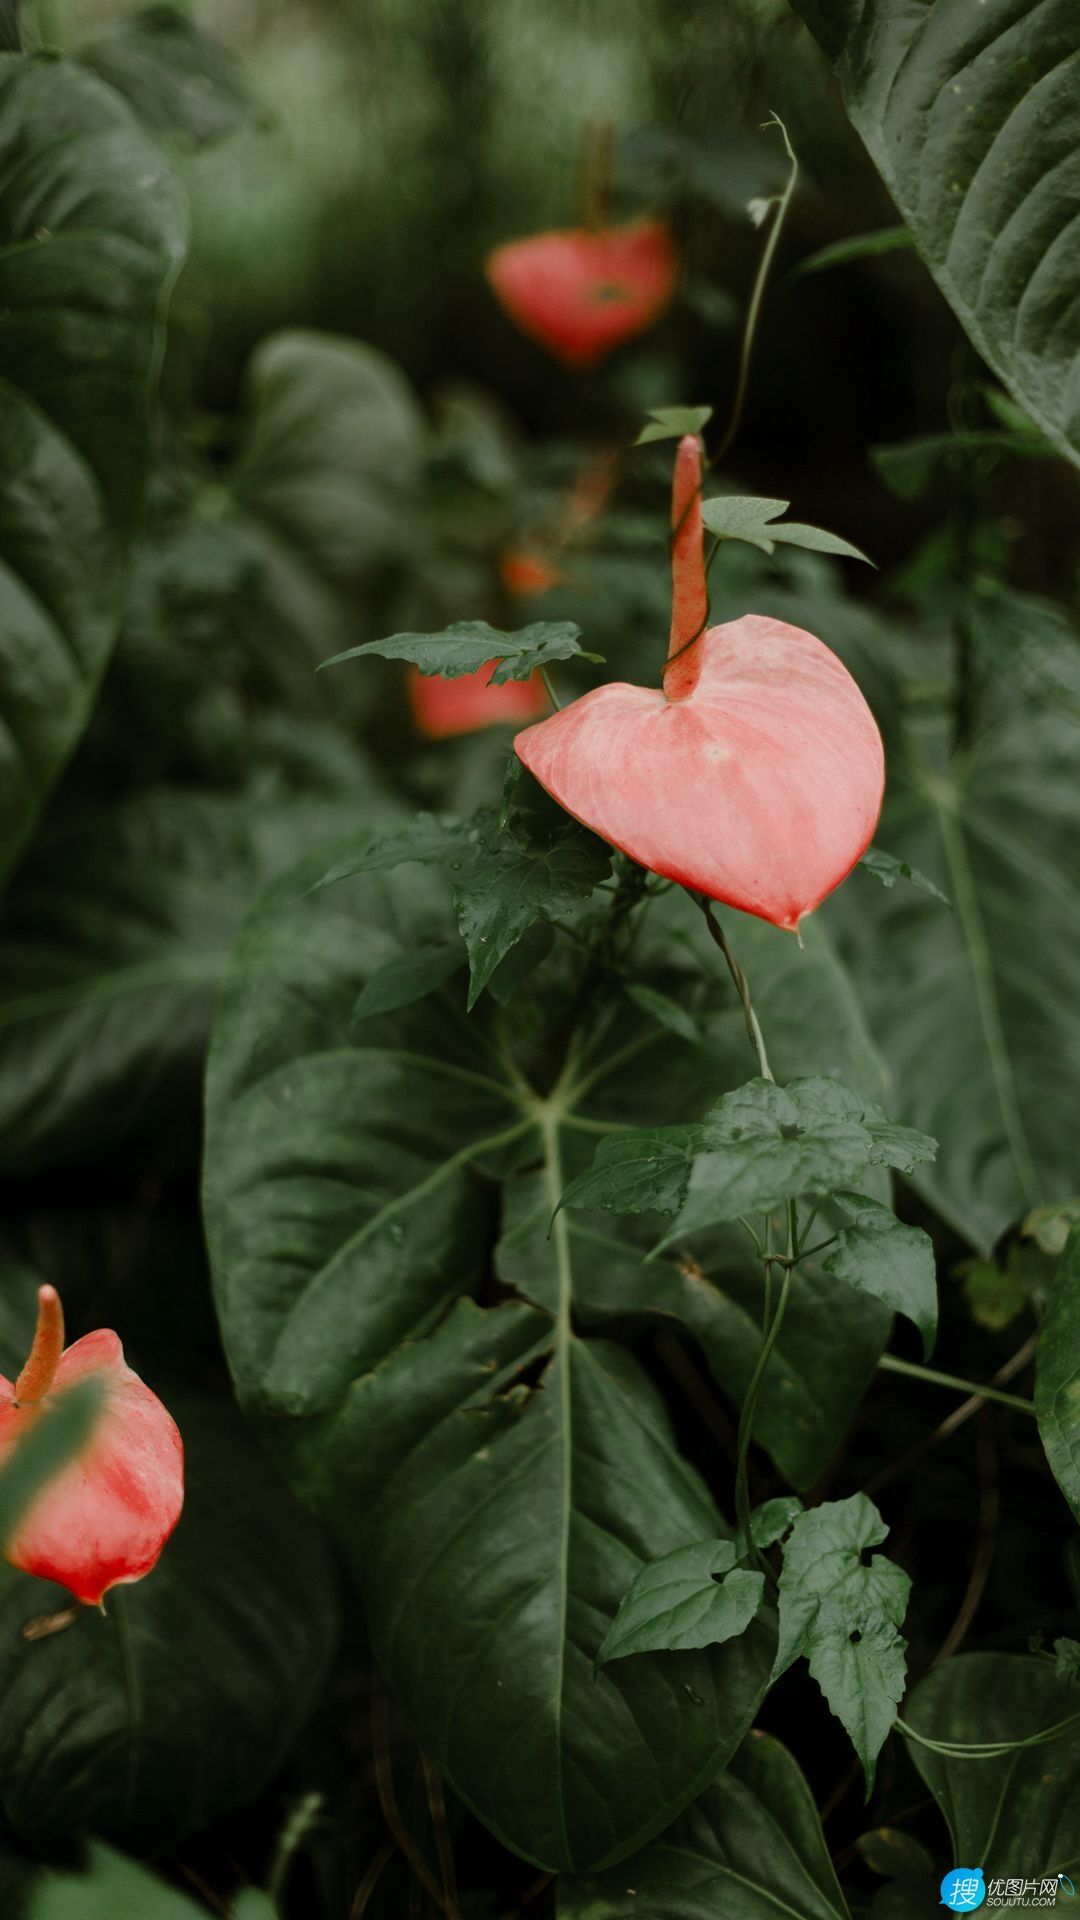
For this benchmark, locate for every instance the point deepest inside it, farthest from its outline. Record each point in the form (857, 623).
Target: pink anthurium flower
(104, 1518)
(754, 775)
(580, 293)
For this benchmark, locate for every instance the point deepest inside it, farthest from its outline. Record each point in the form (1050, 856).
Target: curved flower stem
(781, 203)
(742, 985)
(770, 1335)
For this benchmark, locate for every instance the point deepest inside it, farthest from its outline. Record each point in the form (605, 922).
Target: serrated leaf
(888, 869)
(670, 423)
(895, 1263)
(178, 81)
(509, 885)
(425, 840)
(751, 1848)
(844, 1616)
(765, 1144)
(469, 645)
(92, 233)
(694, 1597)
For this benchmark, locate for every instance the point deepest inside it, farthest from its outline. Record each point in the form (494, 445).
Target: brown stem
(989, 1516)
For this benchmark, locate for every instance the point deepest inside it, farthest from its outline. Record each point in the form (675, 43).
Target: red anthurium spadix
(104, 1517)
(754, 775)
(580, 292)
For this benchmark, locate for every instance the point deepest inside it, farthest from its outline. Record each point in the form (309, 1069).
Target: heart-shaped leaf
(694, 1597)
(895, 1263)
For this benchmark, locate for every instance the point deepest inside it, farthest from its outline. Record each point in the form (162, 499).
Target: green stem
(770, 1335)
(989, 1749)
(742, 985)
(890, 1364)
(551, 694)
(757, 295)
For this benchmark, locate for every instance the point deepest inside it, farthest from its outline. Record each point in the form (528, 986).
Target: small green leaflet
(758, 1147)
(697, 1596)
(743, 517)
(863, 246)
(469, 645)
(503, 880)
(670, 423)
(511, 883)
(408, 977)
(895, 1263)
(644, 1170)
(844, 1617)
(888, 869)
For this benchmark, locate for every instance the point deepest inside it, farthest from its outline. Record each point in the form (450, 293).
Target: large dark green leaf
(495, 1481)
(1018, 1815)
(178, 80)
(146, 1722)
(978, 1010)
(1057, 1375)
(814, 1383)
(750, 1849)
(91, 235)
(113, 939)
(972, 115)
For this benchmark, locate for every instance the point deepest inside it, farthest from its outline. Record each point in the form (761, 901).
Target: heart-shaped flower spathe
(755, 775)
(103, 1519)
(580, 293)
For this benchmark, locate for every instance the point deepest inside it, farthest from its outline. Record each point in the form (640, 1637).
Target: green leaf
(178, 80)
(862, 246)
(888, 869)
(221, 1652)
(909, 1869)
(694, 1597)
(750, 1849)
(1014, 1816)
(765, 1144)
(997, 1294)
(666, 1010)
(469, 645)
(330, 459)
(1057, 1375)
(733, 516)
(495, 1479)
(976, 1009)
(510, 884)
(110, 1887)
(895, 1263)
(425, 840)
(813, 1384)
(671, 423)
(91, 236)
(407, 977)
(984, 185)
(644, 1170)
(116, 933)
(844, 1615)
(740, 517)
(911, 467)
